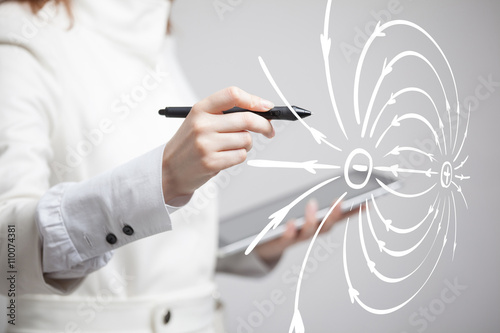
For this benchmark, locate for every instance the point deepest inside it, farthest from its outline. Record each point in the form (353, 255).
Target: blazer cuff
(82, 223)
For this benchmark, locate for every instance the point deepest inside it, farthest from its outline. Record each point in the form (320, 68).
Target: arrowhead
(386, 69)
(371, 266)
(431, 209)
(395, 122)
(444, 242)
(278, 216)
(297, 325)
(381, 245)
(387, 224)
(309, 166)
(326, 44)
(428, 173)
(392, 100)
(395, 151)
(439, 227)
(448, 106)
(352, 294)
(318, 136)
(441, 125)
(431, 157)
(378, 31)
(459, 189)
(394, 169)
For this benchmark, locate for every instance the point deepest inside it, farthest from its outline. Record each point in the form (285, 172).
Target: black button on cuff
(111, 238)
(167, 317)
(128, 230)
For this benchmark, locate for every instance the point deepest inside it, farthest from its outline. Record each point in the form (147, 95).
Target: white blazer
(77, 102)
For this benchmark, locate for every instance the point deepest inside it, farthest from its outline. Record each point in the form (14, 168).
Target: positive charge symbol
(446, 174)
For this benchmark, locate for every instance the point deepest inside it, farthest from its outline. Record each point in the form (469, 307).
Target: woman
(84, 170)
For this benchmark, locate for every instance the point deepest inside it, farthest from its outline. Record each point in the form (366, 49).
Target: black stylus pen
(278, 112)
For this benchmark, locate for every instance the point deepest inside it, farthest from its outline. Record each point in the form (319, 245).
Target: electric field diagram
(437, 223)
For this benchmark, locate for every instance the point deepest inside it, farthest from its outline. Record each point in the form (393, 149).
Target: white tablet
(237, 231)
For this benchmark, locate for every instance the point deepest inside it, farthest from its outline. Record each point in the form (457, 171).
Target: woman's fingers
(232, 141)
(224, 159)
(311, 223)
(244, 121)
(230, 97)
(271, 251)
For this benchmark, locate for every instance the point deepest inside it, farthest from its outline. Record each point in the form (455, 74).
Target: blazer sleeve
(27, 95)
(52, 237)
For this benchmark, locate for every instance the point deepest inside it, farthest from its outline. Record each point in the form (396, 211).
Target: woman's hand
(209, 141)
(271, 251)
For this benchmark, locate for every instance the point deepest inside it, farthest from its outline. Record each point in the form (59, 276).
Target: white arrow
(455, 215)
(459, 190)
(310, 166)
(462, 177)
(380, 243)
(326, 45)
(355, 296)
(279, 216)
(372, 266)
(465, 136)
(297, 324)
(462, 163)
(308, 252)
(379, 32)
(402, 253)
(395, 169)
(402, 195)
(397, 150)
(353, 293)
(317, 135)
(386, 69)
(388, 223)
(396, 122)
(392, 100)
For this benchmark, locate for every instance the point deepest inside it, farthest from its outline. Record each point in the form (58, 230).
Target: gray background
(218, 51)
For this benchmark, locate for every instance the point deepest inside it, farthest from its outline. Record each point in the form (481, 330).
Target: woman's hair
(36, 5)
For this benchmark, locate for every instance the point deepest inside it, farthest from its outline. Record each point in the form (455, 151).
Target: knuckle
(201, 146)
(247, 120)
(242, 156)
(208, 163)
(247, 141)
(234, 93)
(199, 127)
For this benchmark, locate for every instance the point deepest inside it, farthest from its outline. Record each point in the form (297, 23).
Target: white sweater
(80, 159)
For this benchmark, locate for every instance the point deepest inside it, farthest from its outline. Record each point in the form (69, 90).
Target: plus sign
(447, 174)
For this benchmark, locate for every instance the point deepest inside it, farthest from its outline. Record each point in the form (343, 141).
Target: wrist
(172, 195)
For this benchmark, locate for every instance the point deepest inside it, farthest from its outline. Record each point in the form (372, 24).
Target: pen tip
(303, 112)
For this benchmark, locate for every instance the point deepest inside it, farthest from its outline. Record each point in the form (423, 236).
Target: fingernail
(266, 104)
(313, 203)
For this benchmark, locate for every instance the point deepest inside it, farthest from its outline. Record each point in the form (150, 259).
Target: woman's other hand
(271, 251)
